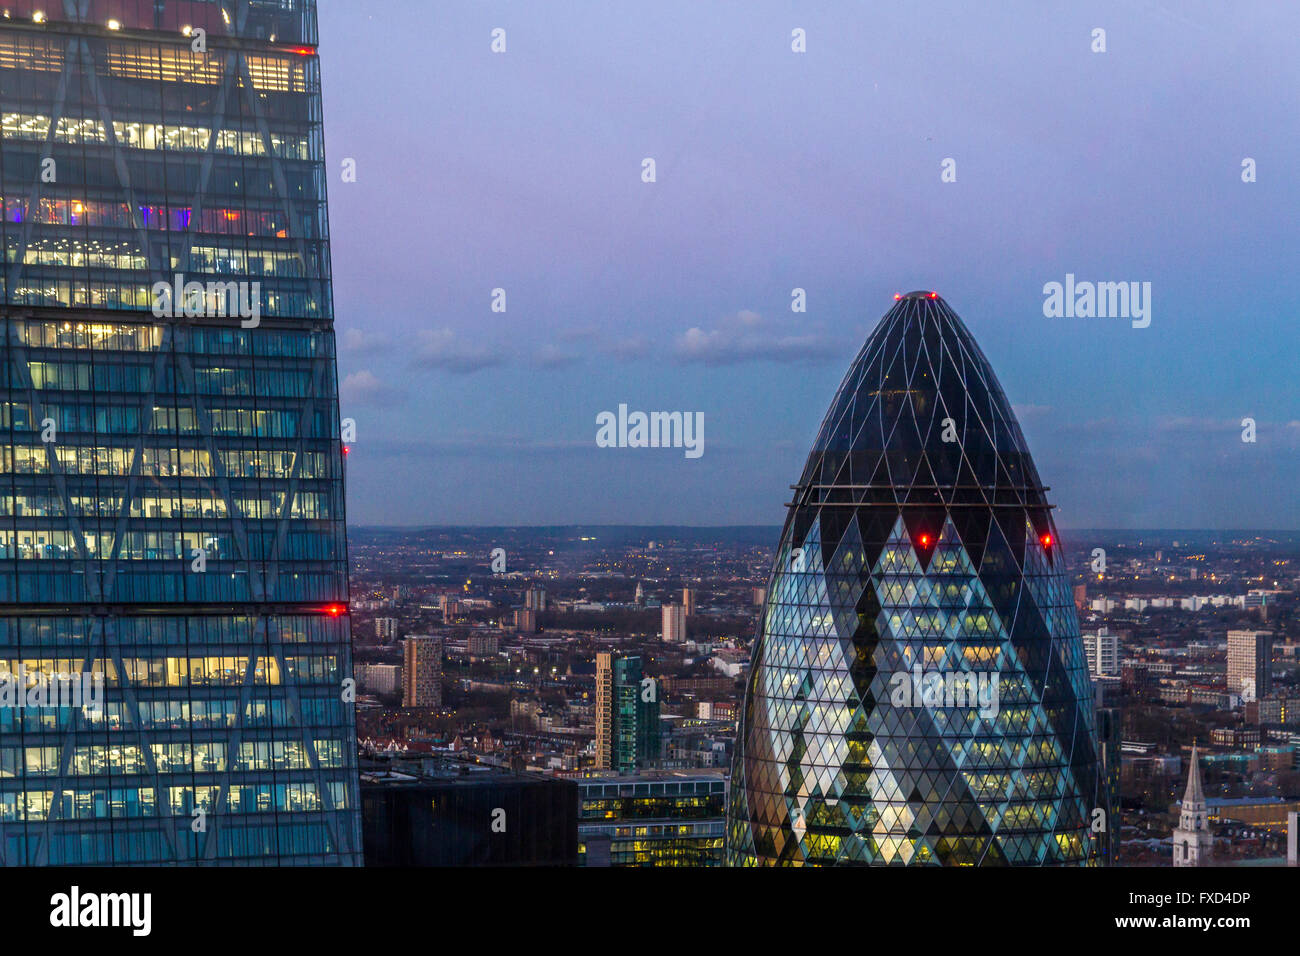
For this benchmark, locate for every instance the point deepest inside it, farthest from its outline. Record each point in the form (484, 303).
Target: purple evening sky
(817, 170)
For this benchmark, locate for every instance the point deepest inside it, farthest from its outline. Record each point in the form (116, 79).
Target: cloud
(633, 347)
(1196, 426)
(1030, 411)
(443, 350)
(1269, 433)
(363, 388)
(362, 342)
(482, 444)
(551, 356)
(589, 338)
(748, 337)
(579, 334)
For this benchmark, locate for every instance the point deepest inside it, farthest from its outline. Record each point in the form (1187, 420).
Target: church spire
(1195, 795)
(1193, 844)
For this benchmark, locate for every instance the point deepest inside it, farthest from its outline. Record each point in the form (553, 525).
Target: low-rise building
(652, 819)
(432, 811)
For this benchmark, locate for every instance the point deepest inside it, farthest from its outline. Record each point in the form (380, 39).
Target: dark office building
(171, 500)
(670, 818)
(918, 694)
(1110, 738)
(428, 812)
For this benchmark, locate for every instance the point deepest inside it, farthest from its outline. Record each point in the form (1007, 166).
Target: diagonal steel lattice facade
(171, 489)
(919, 692)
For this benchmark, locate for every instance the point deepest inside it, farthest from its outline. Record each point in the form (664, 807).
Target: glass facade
(636, 717)
(918, 693)
(661, 819)
(627, 704)
(171, 479)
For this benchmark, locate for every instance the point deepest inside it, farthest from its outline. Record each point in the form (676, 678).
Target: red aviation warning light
(334, 610)
(925, 541)
(1046, 539)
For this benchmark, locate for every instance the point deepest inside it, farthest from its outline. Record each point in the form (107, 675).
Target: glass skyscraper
(627, 715)
(919, 693)
(171, 505)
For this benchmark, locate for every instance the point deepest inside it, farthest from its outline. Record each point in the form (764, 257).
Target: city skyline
(421, 449)
(822, 171)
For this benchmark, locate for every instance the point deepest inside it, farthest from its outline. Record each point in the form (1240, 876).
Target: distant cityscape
(1192, 635)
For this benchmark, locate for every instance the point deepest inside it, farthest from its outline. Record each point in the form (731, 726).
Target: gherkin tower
(918, 694)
